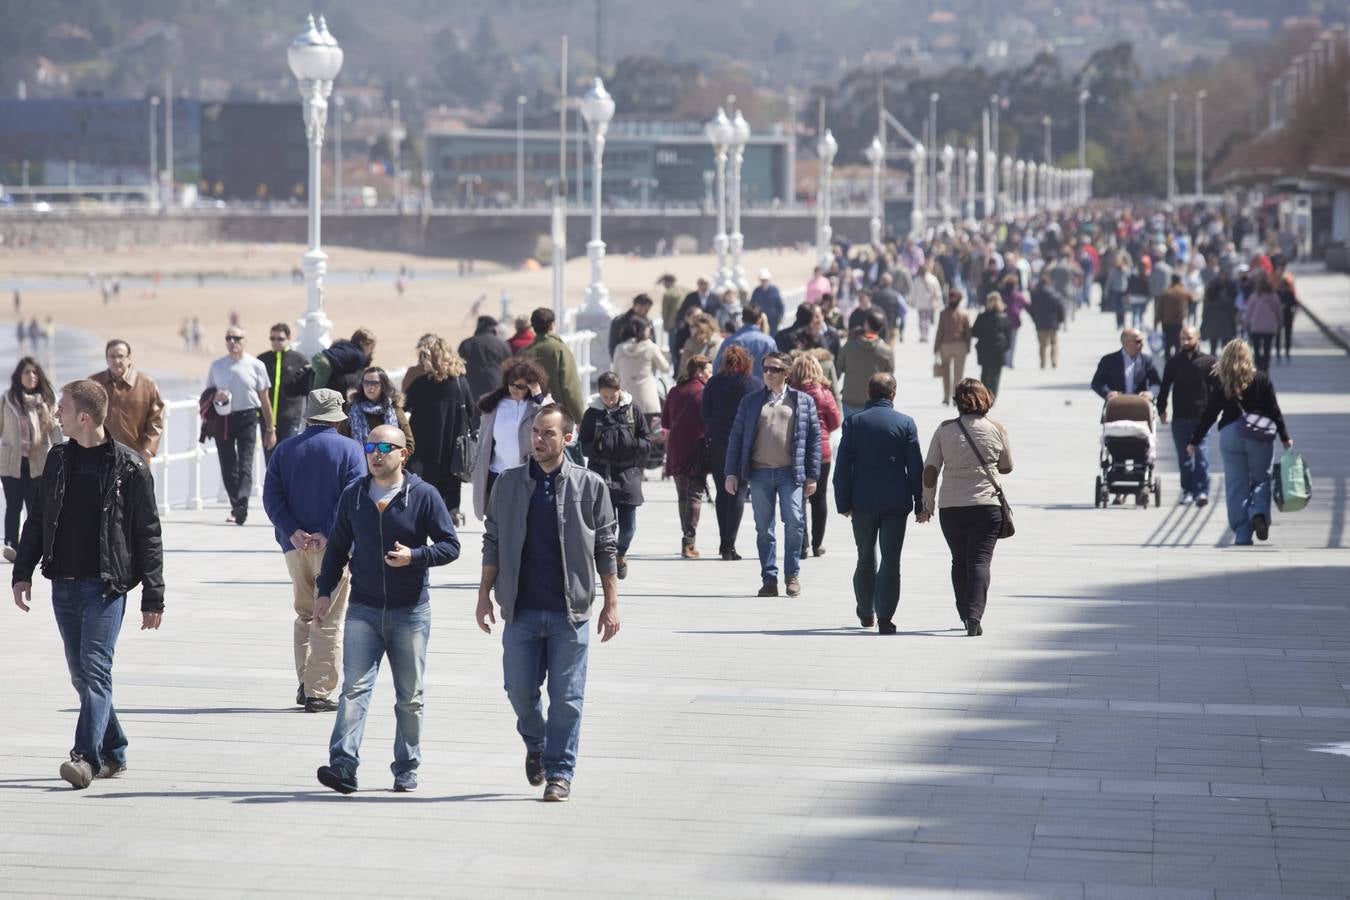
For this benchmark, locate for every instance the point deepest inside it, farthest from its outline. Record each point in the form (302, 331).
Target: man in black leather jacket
(95, 529)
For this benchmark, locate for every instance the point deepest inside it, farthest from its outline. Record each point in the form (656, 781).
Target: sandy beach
(255, 282)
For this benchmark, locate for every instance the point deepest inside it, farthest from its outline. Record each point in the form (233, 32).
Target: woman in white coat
(504, 432)
(638, 361)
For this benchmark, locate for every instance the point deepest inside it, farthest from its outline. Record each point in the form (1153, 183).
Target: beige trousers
(1049, 341)
(952, 358)
(318, 646)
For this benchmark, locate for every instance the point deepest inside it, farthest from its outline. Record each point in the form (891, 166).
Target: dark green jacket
(553, 356)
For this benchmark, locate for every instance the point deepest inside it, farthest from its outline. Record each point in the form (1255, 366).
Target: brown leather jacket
(135, 410)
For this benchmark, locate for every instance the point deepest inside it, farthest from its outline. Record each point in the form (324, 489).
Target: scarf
(34, 420)
(362, 408)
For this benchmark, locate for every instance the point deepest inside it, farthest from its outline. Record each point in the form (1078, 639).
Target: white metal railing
(579, 342)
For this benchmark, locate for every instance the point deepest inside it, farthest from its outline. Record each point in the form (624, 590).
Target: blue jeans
(1246, 479)
(1194, 469)
(770, 490)
(371, 634)
(877, 589)
(89, 624)
(539, 644)
(627, 516)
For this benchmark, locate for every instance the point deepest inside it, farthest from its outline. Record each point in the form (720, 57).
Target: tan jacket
(11, 459)
(135, 410)
(964, 481)
(953, 327)
(1172, 306)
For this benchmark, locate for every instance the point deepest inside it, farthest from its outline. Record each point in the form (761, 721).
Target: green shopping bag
(1293, 482)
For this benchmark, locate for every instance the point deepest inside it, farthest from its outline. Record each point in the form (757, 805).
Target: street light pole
(1047, 122)
(945, 182)
(972, 161)
(933, 99)
(520, 150)
(337, 154)
(741, 135)
(1083, 97)
(876, 155)
(1172, 147)
(1200, 143)
(1019, 199)
(918, 217)
(827, 148)
(719, 134)
(597, 108)
(315, 59)
(790, 187)
(153, 196)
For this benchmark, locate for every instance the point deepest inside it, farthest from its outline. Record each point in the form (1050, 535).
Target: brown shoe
(770, 589)
(688, 551)
(794, 587)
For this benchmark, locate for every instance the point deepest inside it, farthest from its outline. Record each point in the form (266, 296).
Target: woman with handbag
(439, 407)
(973, 512)
(1249, 417)
(682, 419)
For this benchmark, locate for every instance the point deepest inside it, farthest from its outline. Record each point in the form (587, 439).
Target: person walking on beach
(878, 482)
(95, 530)
(305, 479)
(239, 384)
(542, 564)
(392, 528)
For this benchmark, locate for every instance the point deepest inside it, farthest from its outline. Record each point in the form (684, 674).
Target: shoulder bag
(1006, 530)
(1256, 427)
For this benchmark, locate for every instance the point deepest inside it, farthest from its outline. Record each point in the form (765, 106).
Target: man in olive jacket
(554, 357)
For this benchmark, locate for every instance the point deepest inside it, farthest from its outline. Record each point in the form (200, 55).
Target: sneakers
(1185, 500)
(770, 589)
(78, 772)
(558, 791)
(111, 769)
(1261, 526)
(1201, 500)
(884, 627)
(794, 587)
(9, 553)
(320, 704)
(337, 779)
(622, 570)
(405, 782)
(689, 551)
(534, 768)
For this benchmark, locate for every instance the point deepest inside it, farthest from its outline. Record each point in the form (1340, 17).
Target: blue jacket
(753, 341)
(416, 515)
(771, 301)
(805, 435)
(879, 464)
(721, 398)
(305, 477)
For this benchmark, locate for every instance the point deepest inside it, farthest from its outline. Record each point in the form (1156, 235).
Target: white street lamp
(876, 155)
(1083, 97)
(315, 59)
(827, 148)
(720, 133)
(740, 130)
(1019, 199)
(1007, 197)
(1200, 143)
(945, 182)
(597, 108)
(152, 197)
(918, 217)
(520, 151)
(1171, 148)
(972, 161)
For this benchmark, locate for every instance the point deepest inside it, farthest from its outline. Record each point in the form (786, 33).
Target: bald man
(1130, 371)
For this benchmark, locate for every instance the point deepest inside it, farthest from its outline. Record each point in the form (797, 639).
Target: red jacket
(682, 419)
(828, 413)
(520, 340)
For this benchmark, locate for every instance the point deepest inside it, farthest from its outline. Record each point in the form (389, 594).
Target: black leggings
(814, 524)
(20, 491)
(971, 533)
(1286, 333)
(729, 507)
(1261, 346)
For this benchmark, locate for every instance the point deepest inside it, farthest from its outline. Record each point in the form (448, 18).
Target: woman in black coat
(617, 439)
(441, 411)
(993, 333)
(721, 396)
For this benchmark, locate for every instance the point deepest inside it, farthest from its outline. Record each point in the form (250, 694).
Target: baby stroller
(1129, 449)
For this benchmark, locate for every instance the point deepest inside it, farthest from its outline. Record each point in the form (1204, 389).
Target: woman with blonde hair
(808, 377)
(705, 339)
(441, 410)
(1249, 417)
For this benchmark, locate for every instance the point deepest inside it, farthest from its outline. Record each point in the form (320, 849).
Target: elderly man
(768, 299)
(1131, 371)
(135, 409)
(239, 383)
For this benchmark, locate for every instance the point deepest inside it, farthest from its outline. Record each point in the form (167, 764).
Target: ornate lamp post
(918, 219)
(945, 182)
(827, 147)
(1019, 199)
(315, 59)
(740, 130)
(597, 108)
(876, 155)
(1006, 196)
(972, 162)
(720, 133)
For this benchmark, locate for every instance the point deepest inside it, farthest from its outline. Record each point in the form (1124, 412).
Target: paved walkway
(1151, 711)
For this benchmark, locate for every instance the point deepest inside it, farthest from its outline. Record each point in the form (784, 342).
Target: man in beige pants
(305, 477)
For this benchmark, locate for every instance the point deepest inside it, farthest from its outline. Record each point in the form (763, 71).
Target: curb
(1331, 335)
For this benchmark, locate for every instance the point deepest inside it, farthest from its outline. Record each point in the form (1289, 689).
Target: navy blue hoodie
(416, 516)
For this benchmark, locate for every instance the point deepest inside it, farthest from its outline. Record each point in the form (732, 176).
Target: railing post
(162, 486)
(194, 466)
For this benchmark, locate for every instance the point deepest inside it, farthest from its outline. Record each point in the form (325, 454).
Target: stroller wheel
(1157, 492)
(1099, 494)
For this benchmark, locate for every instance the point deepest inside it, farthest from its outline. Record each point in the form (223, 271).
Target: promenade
(1151, 712)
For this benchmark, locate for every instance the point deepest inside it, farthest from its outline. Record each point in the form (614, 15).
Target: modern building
(667, 164)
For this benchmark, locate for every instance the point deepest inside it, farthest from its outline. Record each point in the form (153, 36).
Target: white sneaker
(1185, 499)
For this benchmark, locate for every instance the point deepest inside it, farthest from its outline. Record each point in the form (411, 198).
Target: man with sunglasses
(240, 383)
(290, 374)
(775, 448)
(391, 527)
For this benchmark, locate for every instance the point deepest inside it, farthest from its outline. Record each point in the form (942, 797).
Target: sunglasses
(384, 447)
(233, 338)
(774, 370)
(277, 338)
(520, 386)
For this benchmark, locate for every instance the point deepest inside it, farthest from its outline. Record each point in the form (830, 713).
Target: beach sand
(255, 282)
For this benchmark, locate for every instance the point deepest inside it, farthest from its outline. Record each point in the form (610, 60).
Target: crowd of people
(364, 478)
